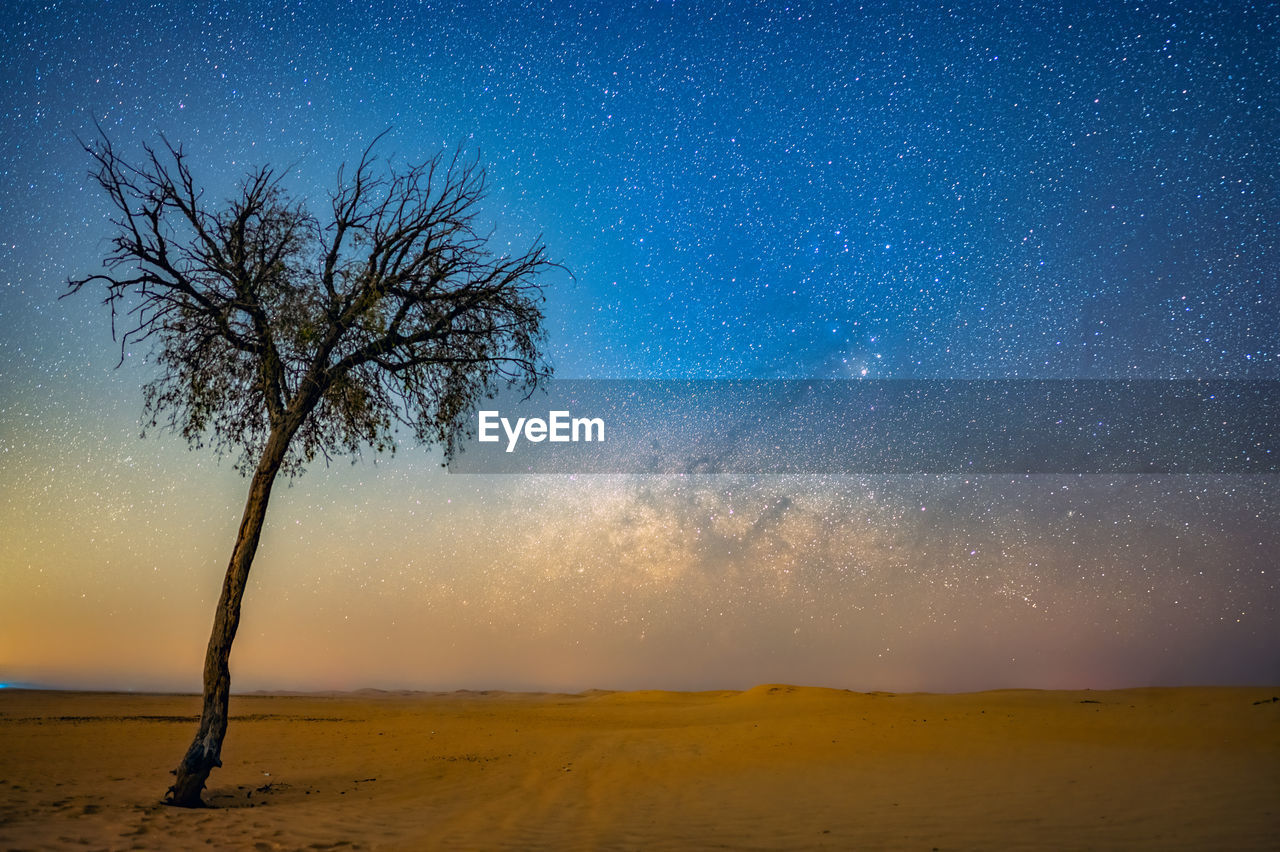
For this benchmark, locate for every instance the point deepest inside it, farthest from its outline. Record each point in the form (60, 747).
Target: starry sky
(744, 190)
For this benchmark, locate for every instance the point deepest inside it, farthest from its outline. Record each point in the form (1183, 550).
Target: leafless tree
(282, 338)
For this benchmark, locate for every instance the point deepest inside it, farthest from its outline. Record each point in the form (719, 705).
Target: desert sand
(775, 767)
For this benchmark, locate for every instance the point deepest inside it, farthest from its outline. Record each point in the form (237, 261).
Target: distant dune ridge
(774, 767)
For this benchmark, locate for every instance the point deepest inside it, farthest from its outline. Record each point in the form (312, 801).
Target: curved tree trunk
(206, 749)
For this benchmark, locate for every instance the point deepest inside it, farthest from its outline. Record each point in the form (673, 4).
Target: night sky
(740, 190)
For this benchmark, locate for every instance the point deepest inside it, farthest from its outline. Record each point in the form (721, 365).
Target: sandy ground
(776, 767)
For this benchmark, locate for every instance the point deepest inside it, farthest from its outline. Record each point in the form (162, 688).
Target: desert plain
(773, 767)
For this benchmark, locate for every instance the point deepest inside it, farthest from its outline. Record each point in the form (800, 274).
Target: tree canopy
(393, 309)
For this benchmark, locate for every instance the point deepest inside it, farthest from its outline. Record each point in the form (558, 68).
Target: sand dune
(774, 767)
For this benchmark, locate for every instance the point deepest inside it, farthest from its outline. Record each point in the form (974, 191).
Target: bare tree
(281, 338)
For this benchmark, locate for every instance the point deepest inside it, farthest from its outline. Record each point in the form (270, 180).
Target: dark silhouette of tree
(282, 338)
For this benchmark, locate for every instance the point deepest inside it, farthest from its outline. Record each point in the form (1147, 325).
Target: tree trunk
(206, 749)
